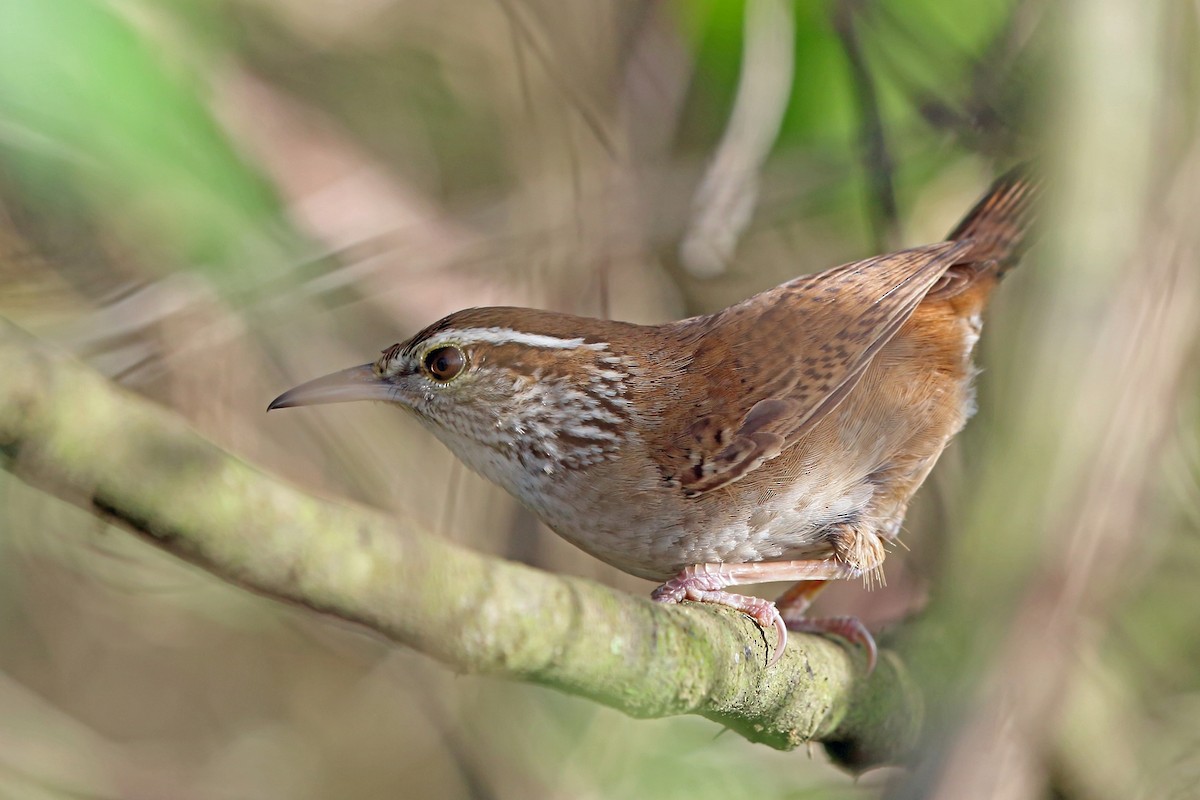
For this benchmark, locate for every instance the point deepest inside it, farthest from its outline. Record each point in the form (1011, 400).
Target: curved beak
(356, 383)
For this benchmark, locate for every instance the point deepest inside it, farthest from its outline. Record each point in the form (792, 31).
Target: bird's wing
(787, 357)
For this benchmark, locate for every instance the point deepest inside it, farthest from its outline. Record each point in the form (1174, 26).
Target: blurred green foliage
(99, 120)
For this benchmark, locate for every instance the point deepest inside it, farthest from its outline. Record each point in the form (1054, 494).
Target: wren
(780, 439)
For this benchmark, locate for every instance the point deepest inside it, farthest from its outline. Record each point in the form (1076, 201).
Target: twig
(728, 193)
(877, 162)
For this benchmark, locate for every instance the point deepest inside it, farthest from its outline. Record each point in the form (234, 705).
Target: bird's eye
(445, 363)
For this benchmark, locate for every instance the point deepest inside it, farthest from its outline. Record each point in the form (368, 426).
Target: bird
(779, 439)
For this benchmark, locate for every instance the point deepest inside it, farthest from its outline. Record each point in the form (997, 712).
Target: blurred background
(213, 200)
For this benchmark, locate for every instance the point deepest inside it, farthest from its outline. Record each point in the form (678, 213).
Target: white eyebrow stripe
(509, 336)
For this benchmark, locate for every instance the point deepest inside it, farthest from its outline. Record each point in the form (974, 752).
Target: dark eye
(445, 363)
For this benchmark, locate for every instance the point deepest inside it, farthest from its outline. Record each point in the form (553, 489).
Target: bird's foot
(849, 628)
(703, 583)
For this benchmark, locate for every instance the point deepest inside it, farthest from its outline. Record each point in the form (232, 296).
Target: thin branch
(725, 200)
(68, 431)
(591, 119)
(877, 161)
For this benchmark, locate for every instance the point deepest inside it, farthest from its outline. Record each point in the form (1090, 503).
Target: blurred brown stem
(70, 432)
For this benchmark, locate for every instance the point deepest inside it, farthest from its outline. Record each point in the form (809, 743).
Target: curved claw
(849, 628)
(781, 636)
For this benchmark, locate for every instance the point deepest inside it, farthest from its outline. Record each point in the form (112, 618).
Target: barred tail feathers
(999, 229)
(999, 224)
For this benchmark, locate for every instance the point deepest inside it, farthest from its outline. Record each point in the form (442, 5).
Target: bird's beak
(356, 383)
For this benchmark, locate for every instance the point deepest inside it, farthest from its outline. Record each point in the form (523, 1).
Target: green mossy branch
(70, 432)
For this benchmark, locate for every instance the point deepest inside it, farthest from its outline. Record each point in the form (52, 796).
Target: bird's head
(506, 389)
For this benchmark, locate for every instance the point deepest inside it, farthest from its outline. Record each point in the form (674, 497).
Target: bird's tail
(1000, 223)
(999, 228)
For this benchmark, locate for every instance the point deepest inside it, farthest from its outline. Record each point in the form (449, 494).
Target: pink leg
(703, 583)
(795, 601)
